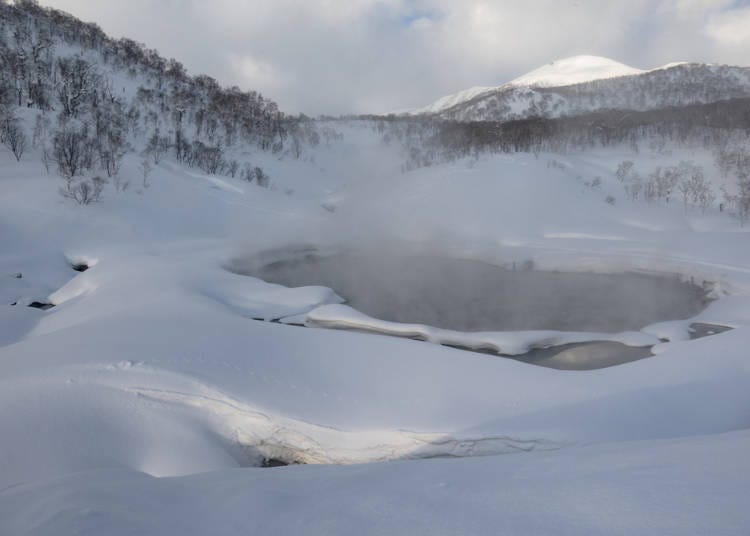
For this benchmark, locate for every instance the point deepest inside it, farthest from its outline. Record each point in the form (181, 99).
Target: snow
(138, 403)
(450, 101)
(508, 343)
(574, 70)
(675, 487)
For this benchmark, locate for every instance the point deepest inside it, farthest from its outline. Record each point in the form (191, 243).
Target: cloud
(255, 72)
(341, 56)
(731, 28)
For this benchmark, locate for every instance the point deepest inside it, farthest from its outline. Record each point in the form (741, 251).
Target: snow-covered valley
(216, 318)
(151, 360)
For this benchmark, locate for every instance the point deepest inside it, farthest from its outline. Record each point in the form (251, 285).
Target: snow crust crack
(258, 434)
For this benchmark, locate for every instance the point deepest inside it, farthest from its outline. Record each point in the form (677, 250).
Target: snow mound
(575, 70)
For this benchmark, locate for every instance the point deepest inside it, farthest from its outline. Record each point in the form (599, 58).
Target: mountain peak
(574, 70)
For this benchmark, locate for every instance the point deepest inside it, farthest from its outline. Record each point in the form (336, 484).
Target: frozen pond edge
(530, 346)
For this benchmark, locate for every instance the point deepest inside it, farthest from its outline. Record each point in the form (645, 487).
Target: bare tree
(157, 146)
(261, 178)
(743, 197)
(650, 191)
(84, 191)
(232, 168)
(146, 169)
(71, 151)
(46, 157)
(705, 196)
(248, 172)
(666, 182)
(110, 158)
(14, 138)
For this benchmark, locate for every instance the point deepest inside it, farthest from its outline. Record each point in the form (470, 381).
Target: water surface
(470, 295)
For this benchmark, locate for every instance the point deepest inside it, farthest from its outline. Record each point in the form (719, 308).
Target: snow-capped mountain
(583, 84)
(574, 70)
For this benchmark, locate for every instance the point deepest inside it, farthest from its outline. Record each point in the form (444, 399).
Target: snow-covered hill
(583, 84)
(87, 100)
(574, 70)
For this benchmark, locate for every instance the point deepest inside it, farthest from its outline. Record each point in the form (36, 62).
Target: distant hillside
(587, 84)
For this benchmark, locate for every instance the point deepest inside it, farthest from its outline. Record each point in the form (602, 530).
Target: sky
(378, 56)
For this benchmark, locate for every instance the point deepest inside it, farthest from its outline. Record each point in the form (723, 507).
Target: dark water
(700, 330)
(468, 295)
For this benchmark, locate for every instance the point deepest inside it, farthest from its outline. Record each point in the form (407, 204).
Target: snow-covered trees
(693, 186)
(686, 177)
(743, 196)
(665, 180)
(59, 65)
(733, 162)
(624, 169)
(77, 84)
(739, 197)
(629, 178)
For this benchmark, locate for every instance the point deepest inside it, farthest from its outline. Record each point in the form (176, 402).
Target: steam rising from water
(469, 295)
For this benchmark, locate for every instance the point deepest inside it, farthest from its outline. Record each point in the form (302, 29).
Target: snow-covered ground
(141, 401)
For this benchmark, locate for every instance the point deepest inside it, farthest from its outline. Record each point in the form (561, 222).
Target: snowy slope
(677, 487)
(450, 101)
(574, 70)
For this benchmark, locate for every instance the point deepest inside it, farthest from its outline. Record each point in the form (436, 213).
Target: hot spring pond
(470, 295)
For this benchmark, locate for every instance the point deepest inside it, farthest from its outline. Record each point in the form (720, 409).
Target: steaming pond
(470, 295)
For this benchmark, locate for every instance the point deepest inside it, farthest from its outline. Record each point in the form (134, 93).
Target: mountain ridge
(542, 90)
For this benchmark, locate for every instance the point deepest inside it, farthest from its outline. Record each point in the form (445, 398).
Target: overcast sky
(341, 56)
